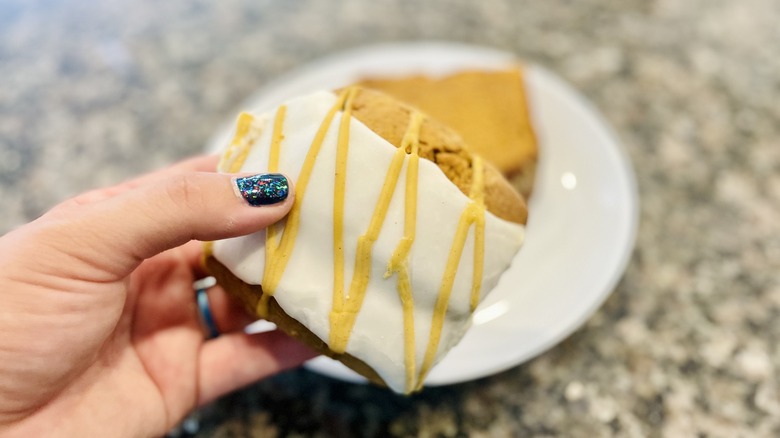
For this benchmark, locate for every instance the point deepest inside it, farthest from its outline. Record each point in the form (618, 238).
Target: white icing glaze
(305, 289)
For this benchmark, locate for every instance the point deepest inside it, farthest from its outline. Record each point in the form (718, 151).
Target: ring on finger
(206, 317)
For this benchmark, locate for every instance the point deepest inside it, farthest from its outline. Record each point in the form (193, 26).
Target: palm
(164, 335)
(145, 353)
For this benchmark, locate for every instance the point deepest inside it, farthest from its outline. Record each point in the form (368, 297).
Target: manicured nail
(263, 189)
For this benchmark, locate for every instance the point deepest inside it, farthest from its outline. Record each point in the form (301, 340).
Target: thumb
(115, 235)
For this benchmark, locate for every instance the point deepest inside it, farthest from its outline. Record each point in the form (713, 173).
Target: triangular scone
(396, 233)
(489, 109)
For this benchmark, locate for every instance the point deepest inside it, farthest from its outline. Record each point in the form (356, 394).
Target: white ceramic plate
(582, 215)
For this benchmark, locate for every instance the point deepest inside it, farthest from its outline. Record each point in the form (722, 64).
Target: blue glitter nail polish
(263, 189)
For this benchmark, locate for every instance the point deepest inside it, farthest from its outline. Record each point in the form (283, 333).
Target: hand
(100, 334)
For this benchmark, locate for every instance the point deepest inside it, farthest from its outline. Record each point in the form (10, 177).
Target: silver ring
(204, 309)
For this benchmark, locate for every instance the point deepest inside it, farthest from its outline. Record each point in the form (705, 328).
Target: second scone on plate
(397, 232)
(488, 108)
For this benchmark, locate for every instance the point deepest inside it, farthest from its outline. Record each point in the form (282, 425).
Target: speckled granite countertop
(92, 93)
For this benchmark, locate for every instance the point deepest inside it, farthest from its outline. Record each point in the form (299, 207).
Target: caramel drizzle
(474, 213)
(282, 252)
(271, 240)
(247, 132)
(339, 190)
(344, 315)
(398, 263)
(232, 160)
(477, 195)
(346, 308)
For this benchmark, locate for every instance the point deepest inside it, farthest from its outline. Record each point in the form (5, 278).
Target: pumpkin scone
(396, 233)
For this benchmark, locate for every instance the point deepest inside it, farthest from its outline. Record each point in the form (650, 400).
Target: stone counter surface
(92, 93)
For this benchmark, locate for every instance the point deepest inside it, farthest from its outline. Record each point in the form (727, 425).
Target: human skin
(100, 331)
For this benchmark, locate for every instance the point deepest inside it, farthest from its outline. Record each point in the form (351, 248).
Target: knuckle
(185, 192)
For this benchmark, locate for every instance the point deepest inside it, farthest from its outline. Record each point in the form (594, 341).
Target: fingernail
(263, 188)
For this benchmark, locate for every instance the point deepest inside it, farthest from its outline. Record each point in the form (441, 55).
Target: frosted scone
(489, 109)
(396, 233)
